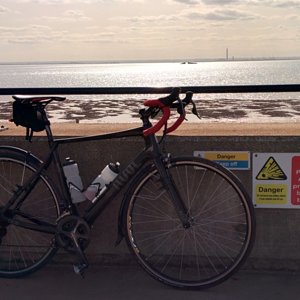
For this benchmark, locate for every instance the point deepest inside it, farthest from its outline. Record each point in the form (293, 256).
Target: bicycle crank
(73, 233)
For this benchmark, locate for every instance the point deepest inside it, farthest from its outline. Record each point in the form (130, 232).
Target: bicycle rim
(220, 236)
(23, 251)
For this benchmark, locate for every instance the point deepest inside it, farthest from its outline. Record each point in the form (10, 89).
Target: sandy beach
(187, 129)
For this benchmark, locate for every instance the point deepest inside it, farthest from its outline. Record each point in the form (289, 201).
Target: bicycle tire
(23, 251)
(221, 234)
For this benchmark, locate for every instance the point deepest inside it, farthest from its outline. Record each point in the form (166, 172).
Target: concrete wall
(277, 243)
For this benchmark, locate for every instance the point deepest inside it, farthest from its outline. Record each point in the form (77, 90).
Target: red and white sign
(295, 181)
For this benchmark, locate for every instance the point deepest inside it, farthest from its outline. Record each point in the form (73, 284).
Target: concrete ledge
(278, 231)
(186, 129)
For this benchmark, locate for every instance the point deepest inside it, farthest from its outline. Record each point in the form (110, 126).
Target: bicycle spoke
(153, 209)
(23, 250)
(216, 238)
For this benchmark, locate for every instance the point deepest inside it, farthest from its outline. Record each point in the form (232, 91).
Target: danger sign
(276, 180)
(233, 160)
(272, 194)
(271, 171)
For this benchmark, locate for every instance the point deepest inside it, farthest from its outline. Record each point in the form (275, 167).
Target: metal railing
(278, 88)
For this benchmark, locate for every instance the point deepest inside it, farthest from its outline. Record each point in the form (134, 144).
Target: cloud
(187, 1)
(52, 2)
(3, 9)
(75, 14)
(68, 16)
(29, 28)
(28, 39)
(39, 34)
(219, 2)
(285, 4)
(30, 34)
(207, 2)
(272, 3)
(73, 2)
(222, 15)
(148, 19)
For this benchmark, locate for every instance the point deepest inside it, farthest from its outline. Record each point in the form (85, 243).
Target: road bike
(188, 221)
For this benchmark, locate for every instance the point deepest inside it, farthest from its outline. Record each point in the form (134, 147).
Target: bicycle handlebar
(165, 104)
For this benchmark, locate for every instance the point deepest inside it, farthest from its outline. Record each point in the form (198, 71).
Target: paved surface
(132, 283)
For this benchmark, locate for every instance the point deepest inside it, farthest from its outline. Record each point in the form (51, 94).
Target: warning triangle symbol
(271, 171)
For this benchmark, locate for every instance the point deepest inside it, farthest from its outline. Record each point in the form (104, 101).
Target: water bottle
(100, 183)
(74, 182)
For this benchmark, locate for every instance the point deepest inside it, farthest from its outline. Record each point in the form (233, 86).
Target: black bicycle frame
(95, 209)
(152, 154)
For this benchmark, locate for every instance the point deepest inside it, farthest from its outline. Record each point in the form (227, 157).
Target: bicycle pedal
(79, 269)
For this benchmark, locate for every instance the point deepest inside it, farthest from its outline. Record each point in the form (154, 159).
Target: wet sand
(211, 111)
(187, 129)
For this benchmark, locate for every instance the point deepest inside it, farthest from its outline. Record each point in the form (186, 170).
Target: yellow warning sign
(271, 171)
(271, 194)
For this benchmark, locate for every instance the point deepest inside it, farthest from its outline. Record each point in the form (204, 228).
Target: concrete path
(109, 283)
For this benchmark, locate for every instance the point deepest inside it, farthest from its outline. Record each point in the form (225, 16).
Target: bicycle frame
(152, 154)
(96, 208)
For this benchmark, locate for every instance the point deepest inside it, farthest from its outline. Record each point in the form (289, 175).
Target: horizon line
(193, 60)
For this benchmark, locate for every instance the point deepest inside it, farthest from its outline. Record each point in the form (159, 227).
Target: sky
(115, 30)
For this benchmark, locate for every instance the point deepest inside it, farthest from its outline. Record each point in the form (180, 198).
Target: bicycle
(188, 221)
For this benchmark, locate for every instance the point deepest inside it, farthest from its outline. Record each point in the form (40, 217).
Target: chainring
(73, 233)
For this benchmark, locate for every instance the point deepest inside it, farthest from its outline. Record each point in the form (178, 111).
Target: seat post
(49, 134)
(47, 124)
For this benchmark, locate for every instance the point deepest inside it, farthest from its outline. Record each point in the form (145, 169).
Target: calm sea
(276, 107)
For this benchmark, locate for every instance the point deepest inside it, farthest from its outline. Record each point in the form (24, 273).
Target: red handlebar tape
(164, 118)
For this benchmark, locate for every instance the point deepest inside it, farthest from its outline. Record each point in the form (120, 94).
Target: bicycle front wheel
(221, 231)
(22, 250)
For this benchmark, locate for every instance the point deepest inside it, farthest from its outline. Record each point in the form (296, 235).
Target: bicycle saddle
(35, 99)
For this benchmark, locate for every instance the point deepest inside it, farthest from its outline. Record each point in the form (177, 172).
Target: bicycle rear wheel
(22, 250)
(222, 224)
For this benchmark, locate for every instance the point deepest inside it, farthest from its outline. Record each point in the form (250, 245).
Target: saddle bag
(31, 116)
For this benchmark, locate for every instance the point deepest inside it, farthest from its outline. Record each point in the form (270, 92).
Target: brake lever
(188, 98)
(186, 101)
(194, 109)
(180, 107)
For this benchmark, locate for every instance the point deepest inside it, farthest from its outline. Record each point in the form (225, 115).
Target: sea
(257, 107)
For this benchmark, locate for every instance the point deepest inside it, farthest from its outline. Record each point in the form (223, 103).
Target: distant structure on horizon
(227, 56)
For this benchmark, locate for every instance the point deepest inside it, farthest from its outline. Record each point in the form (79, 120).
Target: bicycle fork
(169, 185)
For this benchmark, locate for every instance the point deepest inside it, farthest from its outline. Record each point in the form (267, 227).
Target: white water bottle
(74, 181)
(99, 185)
